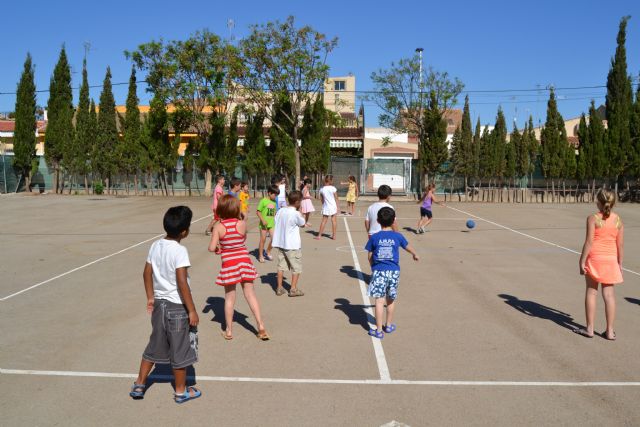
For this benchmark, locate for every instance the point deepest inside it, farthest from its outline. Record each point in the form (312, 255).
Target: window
(339, 85)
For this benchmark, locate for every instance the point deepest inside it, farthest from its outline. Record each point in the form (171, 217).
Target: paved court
(484, 323)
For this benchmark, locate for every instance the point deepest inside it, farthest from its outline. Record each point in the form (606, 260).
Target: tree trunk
(135, 183)
(297, 153)
(86, 185)
(207, 182)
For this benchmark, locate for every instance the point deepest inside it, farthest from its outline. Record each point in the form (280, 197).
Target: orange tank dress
(602, 262)
(236, 264)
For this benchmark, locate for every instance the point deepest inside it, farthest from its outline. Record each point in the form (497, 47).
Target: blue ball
(470, 224)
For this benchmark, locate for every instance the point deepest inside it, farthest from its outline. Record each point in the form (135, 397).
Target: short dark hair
(228, 207)
(273, 189)
(328, 178)
(384, 191)
(235, 182)
(386, 216)
(294, 196)
(243, 183)
(307, 181)
(176, 220)
(219, 177)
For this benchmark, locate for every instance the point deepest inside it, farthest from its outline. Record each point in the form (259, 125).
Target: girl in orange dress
(228, 240)
(601, 262)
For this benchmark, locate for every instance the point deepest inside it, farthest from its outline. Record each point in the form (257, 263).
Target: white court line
(383, 368)
(90, 263)
(332, 381)
(529, 236)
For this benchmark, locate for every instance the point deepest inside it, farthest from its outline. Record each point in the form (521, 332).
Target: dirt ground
(484, 319)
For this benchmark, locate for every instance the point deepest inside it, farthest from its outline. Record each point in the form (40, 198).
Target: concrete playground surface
(484, 319)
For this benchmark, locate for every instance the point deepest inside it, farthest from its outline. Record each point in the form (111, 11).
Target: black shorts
(426, 212)
(172, 340)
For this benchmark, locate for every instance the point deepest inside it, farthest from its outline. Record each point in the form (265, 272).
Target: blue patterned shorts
(384, 283)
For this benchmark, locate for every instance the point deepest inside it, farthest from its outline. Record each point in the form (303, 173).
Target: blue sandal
(137, 391)
(183, 397)
(376, 333)
(389, 329)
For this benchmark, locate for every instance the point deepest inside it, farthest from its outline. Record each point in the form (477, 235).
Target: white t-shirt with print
(372, 216)
(165, 256)
(286, 232)
(329, 206)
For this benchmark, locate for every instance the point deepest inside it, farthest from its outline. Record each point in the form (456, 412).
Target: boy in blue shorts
(384, 257)
(173, 315)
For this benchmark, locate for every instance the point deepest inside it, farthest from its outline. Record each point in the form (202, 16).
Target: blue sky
(487, 44)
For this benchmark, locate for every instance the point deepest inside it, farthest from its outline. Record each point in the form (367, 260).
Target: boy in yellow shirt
(244, 198)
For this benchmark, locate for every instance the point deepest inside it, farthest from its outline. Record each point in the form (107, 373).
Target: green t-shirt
(267, 208)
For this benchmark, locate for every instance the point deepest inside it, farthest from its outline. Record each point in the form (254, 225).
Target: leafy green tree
(511, 154)
(255, 148)
(485, 159)
(597, 140)
(532, 145)
(456, 153)
(475, 151)
(432, 149)
(466, 142)
(554, 142)
(24, 137)
(80, 152)
(129, 148)
(282, 151)
(619, 102)
(315, 136)
(635, 136)
(60, 117)
(583, 167)
(499, 145)
(105, 155)
(230, 154)
(284, 60)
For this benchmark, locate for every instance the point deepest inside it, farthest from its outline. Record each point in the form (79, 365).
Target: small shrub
(98, 188)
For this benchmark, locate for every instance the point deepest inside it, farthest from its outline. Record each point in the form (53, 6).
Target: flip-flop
(263, 336)
(376, 333)
(225, 336)
(583, 332)
(613, 338)
(186, 396)
(389, 329)
(137, 391)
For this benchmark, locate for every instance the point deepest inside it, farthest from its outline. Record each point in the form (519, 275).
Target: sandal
(281, 291)
(183, 397)
(583, 332)
(389, 329)
(225, 336)
(296, 293)
(606, 337)
(376, 333)
(263, 335)
(137, 391)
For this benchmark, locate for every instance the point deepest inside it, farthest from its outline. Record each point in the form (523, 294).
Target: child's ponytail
(607, 200)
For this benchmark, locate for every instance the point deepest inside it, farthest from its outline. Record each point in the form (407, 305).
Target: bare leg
(334, 226)
(391, 308)
(294, 280)
(254, 305)
(306, 218)
(280, 279)
(180, 377)
(211, 225)
(229, 304)
(609, 297)
(263, 238)
(322, 225)
(269, 247)
(145, 368)
(353, 208)
(591, 295)
(379, 312)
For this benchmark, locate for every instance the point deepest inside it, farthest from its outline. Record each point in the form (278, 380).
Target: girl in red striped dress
(228, 239)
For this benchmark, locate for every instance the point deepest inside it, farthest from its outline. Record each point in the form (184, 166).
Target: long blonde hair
(606, 200)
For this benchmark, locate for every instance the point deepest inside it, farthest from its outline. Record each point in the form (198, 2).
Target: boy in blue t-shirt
(384, 256)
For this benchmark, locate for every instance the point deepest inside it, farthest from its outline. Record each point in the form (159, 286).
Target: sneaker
(267, 256)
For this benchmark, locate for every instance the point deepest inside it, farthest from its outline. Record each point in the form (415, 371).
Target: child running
(218, 191)
(352, 194)
(266, 212)
(371, 220)
(601, 262)
(307, 205)
(173, 315)
(428, 198)
(384, 257)
(329, 197)
(231, 233)
(286, 238)
(244, 199)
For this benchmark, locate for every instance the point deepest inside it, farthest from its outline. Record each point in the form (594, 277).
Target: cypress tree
(597, 141)
(230, 155)
(533, 146)
(79, 161)
(315, 135)
(107, 134)
(554, 142)
(24, 137)
(486, 154)
(635, 136)
(583, 167)
(282, 148)
(130, 148)
(456, 154)
(59, 135)
(514, 151)
(475, 151)
(618, 105)
(255, 148)
(466, 142)
(432, 148)
(499, 141)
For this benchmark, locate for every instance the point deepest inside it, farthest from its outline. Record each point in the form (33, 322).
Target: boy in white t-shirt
(286, 239)
(371, 220)
(173, 315)
(329, 197)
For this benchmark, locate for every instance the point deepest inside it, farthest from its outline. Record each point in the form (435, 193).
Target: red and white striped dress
(236, 264)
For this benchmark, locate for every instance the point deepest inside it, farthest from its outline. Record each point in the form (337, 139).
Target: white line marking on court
(529, 235)
(332, 381)
(383, 368)
(90, 263)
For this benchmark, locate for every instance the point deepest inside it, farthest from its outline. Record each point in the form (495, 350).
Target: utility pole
(420, 88)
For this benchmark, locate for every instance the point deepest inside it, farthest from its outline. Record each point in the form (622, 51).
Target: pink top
(217, 193)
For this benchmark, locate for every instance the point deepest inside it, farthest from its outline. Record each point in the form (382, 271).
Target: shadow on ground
(271, 279)
(216, 306)
(533, 309)
(355, 312)
(162, 374)
(353, 273)
(633, 300)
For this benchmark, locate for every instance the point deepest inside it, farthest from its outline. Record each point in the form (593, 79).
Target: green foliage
(255, 147)
(60, 111)
(475, 151)
(230, 153)
(598, 144)
(24, 139)
(583, 167)
(315, 137)
(485, 158)
(432, 150)
(511, 154)
(635, 137)
(499, 145)
(282, 149)
(129, 149)
(462, 155)
(619, 103)
(98, 188)
(554, 143)
(79, 154)
(104, 153)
